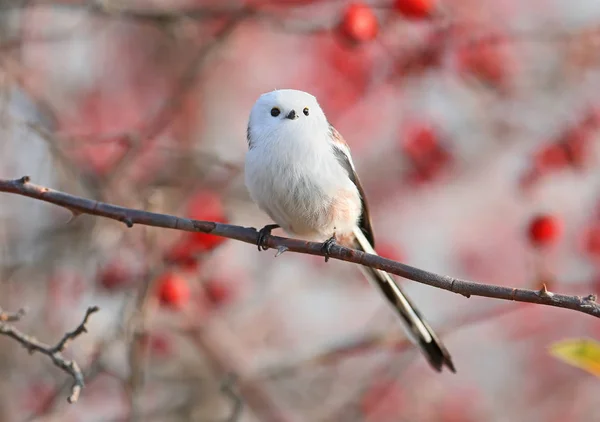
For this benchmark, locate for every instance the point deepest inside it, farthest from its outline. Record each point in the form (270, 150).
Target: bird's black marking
(248, 138)
(365, 219)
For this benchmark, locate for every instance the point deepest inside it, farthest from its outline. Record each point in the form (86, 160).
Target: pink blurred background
(466, 119)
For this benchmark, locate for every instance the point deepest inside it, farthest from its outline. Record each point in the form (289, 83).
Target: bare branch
(11, 316)
(587, 305)
(33, 345)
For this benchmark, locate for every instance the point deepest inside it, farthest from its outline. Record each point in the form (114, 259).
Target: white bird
(299, 171)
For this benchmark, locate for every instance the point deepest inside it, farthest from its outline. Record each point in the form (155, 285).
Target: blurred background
(474, 126)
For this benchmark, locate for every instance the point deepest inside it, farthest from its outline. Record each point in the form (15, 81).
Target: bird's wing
(342, 153)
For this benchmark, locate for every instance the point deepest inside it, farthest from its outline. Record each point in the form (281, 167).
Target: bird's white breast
(302, 186)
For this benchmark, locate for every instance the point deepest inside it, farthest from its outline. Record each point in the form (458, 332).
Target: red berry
(487, 59)
(173, 290)
(414, 9)
(116, 274)
(359, 23)
(206, 206)
(551, 157)
(420, 142)
(544, 230)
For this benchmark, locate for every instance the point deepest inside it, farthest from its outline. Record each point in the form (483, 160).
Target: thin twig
(33, 345)
(237, 405)
(11, 316)
(587, 305)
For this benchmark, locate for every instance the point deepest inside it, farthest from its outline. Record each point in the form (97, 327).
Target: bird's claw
(327, 245)
(263, 234)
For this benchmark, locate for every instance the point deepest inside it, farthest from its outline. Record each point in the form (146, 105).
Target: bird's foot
(327, 245)
(263, 234)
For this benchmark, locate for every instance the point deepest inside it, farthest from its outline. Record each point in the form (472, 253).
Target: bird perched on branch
(300, 172)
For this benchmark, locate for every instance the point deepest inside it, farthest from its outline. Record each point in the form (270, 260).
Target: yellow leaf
(582, 353)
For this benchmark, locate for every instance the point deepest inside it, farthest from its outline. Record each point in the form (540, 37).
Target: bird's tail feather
(417, 328)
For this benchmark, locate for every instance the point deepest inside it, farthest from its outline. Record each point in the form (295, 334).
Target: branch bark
(78, 205)
(53, 352)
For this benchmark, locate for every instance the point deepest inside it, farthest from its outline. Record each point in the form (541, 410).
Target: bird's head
(286, 113)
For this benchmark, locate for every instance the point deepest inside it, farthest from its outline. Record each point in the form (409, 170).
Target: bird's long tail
(417, 328)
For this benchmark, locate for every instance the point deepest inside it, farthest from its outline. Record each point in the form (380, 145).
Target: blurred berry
(415, 9)
(420, 141)
(551, 157)
(173, 290)
(218, 292)
(184, 253)
(341, 73)
(421, 144)
(116, 274)
(206, 206)
(544, 230)
(487, 60)
(158, 344)
(359, 23)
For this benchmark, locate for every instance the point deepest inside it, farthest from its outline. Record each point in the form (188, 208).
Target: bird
(299, 171)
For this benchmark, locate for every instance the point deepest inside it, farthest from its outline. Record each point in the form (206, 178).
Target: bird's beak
(292, 115)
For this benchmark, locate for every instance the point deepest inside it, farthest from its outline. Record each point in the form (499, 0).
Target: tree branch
(54, 352)
(78, 205)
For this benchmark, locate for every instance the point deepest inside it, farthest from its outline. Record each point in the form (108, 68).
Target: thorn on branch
(281, 249)
(74, 215)
(590, 298)
(25, 179)
(543, 292)
(128, 222)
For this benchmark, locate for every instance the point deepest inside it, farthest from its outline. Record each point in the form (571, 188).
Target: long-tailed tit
(300, 172)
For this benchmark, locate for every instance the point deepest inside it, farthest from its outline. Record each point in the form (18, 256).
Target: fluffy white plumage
(299, 171)
(291, 170)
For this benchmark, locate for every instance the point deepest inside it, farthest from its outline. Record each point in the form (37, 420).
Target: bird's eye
(275, 112)
(305, 111)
